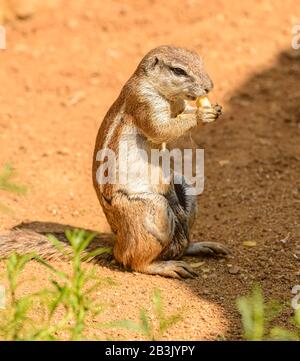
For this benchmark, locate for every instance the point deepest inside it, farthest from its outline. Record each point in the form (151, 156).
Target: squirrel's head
(177, 73)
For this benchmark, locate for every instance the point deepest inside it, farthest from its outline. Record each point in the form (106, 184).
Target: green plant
(151, 330)
(6, 184)
(17, 315)
(71, 293)
(257, 314)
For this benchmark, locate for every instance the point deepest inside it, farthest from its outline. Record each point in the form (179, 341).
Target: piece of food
(249, 243)
(203, 102)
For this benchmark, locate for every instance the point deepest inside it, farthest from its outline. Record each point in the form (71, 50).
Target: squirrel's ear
(154, 62)
(151, 63)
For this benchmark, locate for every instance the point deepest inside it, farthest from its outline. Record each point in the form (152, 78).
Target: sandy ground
(61, 71)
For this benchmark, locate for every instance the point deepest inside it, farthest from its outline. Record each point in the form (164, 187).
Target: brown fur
(150, 222)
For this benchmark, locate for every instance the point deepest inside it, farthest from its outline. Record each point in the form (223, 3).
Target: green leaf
(97, 252)
(168, 322)
(7, 185)
(146, 326)
(281, 334)
(49, 266)
(60, 246)
(157, 302)
(251, 309)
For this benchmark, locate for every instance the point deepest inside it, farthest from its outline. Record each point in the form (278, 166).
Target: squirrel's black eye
(178, 71)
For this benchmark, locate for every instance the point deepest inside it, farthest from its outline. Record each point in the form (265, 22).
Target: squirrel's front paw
(208, 114)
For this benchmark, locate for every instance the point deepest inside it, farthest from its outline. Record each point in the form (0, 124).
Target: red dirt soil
(63, 68)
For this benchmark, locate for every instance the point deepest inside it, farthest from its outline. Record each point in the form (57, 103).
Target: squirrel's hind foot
(206, 248)
(173, 269)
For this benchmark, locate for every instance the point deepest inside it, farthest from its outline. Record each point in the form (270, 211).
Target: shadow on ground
(252, 190)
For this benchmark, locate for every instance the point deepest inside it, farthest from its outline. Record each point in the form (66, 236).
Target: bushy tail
(24, 241)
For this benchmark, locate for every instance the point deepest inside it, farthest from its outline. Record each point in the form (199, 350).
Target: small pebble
(234, 270)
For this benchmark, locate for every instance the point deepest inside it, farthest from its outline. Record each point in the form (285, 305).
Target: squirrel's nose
(205, 86)
(208, 86)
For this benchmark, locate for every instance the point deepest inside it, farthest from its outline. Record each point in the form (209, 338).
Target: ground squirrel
(152, 222)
